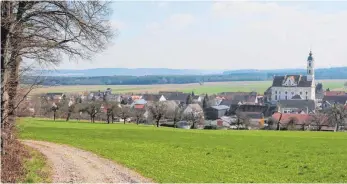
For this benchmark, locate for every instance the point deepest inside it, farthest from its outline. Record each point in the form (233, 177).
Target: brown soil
(78, 166)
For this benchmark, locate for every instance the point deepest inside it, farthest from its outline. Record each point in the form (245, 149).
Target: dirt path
(72, 165)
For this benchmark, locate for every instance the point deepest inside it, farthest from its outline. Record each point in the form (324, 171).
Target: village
(293, 102)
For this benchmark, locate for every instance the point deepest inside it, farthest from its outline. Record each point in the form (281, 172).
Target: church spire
(310, 67)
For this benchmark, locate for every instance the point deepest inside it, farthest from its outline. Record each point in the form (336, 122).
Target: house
(179, 98)
(216, 112)
(319, 94)
(139, 104)
(296, 106)
(288, 86)
(335, 93)
(256, 119)
(54, 96)
(153, 97)
(240, 97)
(197, 99)
(113, 98)
(301, 120)
(329, 101)
(266, 110)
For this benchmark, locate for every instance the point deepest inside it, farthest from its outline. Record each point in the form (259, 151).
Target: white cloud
(163, 4)
(253, 35)
(180, 21)
(153, 27)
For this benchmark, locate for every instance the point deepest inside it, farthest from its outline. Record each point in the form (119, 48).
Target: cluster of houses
(290, 96)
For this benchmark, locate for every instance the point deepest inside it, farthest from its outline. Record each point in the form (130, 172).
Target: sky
(227, 35)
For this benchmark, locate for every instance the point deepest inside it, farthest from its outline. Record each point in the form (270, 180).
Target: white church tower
(310, 75)
(310, 68)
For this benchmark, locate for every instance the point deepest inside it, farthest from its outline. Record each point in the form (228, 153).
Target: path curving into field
(72, 165)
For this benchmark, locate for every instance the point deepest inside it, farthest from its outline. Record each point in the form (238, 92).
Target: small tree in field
(337, 116)
(92, 108)
(318, 120)
(292, 123)
(157, 110)
(124, 112)
(138, 114)
(175, 114)
(112, 108)
(242, 119)
(195, 116)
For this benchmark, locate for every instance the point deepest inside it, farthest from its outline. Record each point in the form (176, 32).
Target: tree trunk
(6, 12)
(174, 123)
(112, 118)
(336, 127)
(124, 120)
(158, 123)
(54, 115)
(68, 116)
(91, 118)
(238, 124)
(137, 121)
(108, 119)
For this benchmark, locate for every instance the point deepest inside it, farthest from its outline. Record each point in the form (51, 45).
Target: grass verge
(36, 168)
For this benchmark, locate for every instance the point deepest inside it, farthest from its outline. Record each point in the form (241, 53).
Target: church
(294, 87)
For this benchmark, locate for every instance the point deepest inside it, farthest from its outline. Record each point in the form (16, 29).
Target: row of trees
(109, 111)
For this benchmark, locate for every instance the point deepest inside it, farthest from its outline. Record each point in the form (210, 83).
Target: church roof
(300, 80)
(296, 97)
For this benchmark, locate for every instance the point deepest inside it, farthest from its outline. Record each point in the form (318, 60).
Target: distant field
(210, 87)
(175, 155)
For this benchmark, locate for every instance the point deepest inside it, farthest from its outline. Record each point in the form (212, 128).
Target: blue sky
(224, 35)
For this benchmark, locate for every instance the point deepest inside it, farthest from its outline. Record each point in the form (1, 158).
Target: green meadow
(208, 87)
(177, 155)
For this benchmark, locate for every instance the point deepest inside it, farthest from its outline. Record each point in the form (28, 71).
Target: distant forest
(246, 75)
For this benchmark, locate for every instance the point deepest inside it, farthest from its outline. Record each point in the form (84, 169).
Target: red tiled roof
(139, 106)
(335, 93)
(302, 118)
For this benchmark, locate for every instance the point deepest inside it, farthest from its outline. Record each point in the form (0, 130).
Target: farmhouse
(296, 87)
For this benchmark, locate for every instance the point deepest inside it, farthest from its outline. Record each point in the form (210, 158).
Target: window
(286, 92)
(276, 97)
(306, 97)
(309, 71)
(275, 92)
(300, 92)
(309, 64)
(286, 97)
(306, 92)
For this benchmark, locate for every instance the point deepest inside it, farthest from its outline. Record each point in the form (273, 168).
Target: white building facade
(295, 87)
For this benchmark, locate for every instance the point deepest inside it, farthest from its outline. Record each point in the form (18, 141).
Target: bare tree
(138, 114)
(271, 122)
(124, 112)
(337, 116)
(195, 116)
(292, 122)
(241, 120)
(92, 108)
(157, 110)
(112, 108)
(44, 31)
(318, 120)
(175, 114)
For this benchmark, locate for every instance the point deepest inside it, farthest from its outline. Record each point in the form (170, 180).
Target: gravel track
(72, 165)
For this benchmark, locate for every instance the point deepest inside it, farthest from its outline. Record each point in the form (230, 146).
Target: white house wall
(296, 91)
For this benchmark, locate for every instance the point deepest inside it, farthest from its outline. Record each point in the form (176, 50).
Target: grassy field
(209, 87)
(176, 155)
